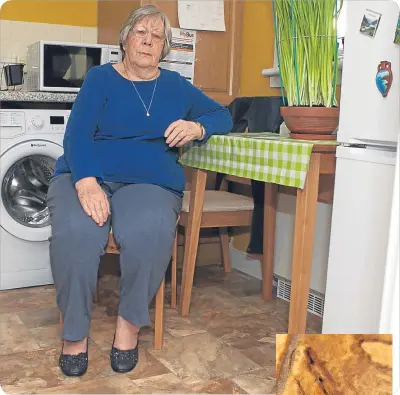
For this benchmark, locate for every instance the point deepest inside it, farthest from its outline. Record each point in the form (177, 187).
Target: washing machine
(30, 143)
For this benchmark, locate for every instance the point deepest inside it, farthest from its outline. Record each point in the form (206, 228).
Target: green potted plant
(307, 49)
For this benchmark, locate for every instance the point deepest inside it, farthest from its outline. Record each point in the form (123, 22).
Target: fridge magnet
(370, 22)
(397, 34)
(384, 77)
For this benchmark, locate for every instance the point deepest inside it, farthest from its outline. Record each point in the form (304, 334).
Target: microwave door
(65, 66)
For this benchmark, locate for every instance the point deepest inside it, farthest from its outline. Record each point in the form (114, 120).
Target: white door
(25, 172)
(359, 238)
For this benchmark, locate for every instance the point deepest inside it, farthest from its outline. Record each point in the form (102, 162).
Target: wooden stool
(112, 248)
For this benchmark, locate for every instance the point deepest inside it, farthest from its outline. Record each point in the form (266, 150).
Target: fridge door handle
(376, 144)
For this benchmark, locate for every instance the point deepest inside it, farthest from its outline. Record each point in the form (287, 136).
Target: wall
(23, 22)
(257, 48)
(74, 13)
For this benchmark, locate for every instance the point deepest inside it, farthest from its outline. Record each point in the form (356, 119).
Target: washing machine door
(25, 172)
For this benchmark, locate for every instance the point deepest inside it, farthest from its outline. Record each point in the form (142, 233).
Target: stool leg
(159, 320)
(173, 272)
(224, 240)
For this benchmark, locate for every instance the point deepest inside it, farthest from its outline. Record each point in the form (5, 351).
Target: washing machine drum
(24, 186)
(24, 190)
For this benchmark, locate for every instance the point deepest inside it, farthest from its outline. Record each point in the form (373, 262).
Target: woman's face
(145, 42)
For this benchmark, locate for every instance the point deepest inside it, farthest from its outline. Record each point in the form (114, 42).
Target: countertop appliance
(57, 66)
(30, 142)
(368, 131)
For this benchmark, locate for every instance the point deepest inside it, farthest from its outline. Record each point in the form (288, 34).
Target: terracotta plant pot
(311, 123)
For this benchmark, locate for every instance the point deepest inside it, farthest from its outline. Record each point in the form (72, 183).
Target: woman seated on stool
(120, 166)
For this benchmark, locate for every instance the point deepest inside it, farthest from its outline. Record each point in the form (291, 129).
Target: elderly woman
(120, 166)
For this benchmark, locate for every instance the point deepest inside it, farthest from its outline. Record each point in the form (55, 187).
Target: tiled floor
(226, 345)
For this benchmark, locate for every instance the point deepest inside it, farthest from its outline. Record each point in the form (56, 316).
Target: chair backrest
(256, 114)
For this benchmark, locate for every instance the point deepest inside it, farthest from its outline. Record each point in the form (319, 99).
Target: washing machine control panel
(14, 123)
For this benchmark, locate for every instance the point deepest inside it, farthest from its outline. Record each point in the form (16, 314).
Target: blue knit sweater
(109, 136)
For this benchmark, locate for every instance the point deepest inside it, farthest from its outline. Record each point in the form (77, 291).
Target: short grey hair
(136, 16)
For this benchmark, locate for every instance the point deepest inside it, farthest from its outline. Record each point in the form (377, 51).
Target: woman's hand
(182, 132)
(93, 199)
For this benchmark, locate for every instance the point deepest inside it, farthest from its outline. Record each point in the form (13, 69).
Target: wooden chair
(221, 209)
(112, 248)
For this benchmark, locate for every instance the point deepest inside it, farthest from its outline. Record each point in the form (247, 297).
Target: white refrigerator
(368, 131)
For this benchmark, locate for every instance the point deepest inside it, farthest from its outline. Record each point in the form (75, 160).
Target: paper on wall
(202, 14)
(182, 55)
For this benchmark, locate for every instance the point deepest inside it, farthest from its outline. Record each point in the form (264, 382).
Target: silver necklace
(140, 97)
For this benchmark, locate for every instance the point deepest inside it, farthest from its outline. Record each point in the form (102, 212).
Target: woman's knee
(80, 233)
(152, 231)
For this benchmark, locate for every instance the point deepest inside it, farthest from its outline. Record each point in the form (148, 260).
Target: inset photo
(347, 364)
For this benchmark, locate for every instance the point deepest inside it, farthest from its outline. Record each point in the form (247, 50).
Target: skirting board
(242, 262)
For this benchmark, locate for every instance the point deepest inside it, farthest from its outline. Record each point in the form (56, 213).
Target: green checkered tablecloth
(259, 156)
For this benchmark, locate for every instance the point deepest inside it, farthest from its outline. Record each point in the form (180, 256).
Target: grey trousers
(143, 219)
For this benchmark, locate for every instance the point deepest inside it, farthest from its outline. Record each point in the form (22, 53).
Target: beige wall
(23, 22)
(15, 36)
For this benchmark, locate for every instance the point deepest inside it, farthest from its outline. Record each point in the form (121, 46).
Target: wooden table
(322, 162)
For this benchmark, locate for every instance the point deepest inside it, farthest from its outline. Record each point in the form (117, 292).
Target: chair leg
(224, 240)
(61, 325)
(173, 272)
(159, 320)
(96, 295)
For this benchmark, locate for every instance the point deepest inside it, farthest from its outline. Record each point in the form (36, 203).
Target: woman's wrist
(202, 131)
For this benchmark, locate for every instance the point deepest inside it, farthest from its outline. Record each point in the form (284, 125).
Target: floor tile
(202, 357)
(163, 384)
(281, 307)
(109, 385)
(14, 336)
(221, 386)
(40, 317)
(47, 336)
(148, 366)
(212, 300)
(37, 370)
(110, 282)
(179, 326)
(26, 299)
(247, 331)
(275, 304)
(225, 345)
(208, 275)
(102, 331)
(244, 288)
(263, 355)
(146, 336)
(107, 305)
(256, 382)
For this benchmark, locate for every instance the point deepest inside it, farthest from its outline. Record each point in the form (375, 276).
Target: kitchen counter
(23, 96)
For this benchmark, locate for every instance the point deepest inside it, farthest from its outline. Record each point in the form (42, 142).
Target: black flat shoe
(74, 365)
(123, 361)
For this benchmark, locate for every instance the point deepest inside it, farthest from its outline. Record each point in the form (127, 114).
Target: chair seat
(215, 201)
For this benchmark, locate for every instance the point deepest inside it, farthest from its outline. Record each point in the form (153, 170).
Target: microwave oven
(55, 66)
